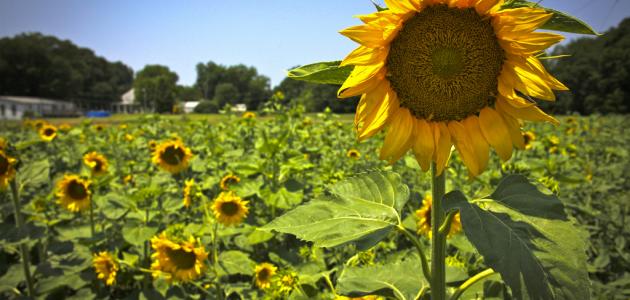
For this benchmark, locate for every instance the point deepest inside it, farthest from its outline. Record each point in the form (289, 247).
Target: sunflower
(38, 124)
(424, 219)
(439, 73)
(189, 187)
(230, 209)
(152, 145)
(65, 127)
(264, 272)
(228, 180)
(48, 132)
(249, 115)
(353, 153)
(106, 267)
(3, 144)
(96, 162)
(177, 260)
(528, 138)
(288, 281)
(172, 156)
(7, 169)
(73, 193)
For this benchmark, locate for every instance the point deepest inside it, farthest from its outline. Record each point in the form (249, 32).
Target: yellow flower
(65, 127)
(128, 179)
(179, 261)
(528, 138)
(424, 219)
(172, 156)
(123, 126)
(152, 145)
(368, 297)
(189, 186)
(230, 209)
(3, 144)
(96, 162)
(39, 124)
(106, 267)
(73, 193)
(129, 137)
(249, 115)
(48, 132)
(228, 180)
(553, 140)
(354, 154)
(99, 127)
(288, 281)
(439, 73)
(264, 272)
(7, 169)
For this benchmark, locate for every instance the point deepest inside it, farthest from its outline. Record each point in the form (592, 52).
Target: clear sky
(272, 35)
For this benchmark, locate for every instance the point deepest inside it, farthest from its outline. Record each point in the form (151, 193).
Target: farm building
(18, 107)
(127, 104)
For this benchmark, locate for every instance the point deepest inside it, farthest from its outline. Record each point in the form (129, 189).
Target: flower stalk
(438, 246)
(19, 223)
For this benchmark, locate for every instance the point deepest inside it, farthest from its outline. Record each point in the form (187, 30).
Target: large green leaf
(525, 236)
(34, 174)
(559, 22)
(236, 262)
(137, 234)
(402, 280)
(322, 72)
(362, 210)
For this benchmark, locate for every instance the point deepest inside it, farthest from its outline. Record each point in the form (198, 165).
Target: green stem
(92, 218)
(445, 228)
(19, 222)
(423, 258)
(215, 260)
(472, 280)
(438, 247)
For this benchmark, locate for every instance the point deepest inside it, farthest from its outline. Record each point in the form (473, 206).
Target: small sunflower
(127, 179)
(528, 138)
(129, 137)
(249, 115)
(287, 282)
(152, 145)
(65, 127)
(38, 124)
(96, 162)
(440, 73)
(172, 156)
(99, 127)
(264, 272)
(7, 169)
(354, 154)
(229, 180)
(424, 219)
(189, 190)
(73, 193)
(106, 267)
(179, 261)
(48, 132)
(230, 209)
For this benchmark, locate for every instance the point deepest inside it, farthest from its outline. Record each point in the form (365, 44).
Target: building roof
(32, 100)
(128, 98)
(191, 104)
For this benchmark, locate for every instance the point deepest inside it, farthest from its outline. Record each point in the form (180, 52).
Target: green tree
(155, 87)
(316, 97)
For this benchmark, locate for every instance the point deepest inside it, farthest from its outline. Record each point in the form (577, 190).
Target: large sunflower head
(229, 180)
(230, 209)
(423, 216)
(47, 132)
(106, 267)
(7, 169)
(177, 259)
(172, 156)
(73, 193)
(440, 73)
(263, 274)
(96, 162)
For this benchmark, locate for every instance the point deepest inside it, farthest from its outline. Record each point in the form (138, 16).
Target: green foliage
(361, 210)
(33, 64)
(323, 72)
(207, 107)
(526, 236)
(155, 86)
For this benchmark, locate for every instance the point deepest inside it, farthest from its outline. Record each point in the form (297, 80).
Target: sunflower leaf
(322, 72)
(400, 280)
(559, 22)
(526, 236)
(360, 210)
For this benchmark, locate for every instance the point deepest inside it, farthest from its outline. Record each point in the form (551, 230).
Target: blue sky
(271, 35)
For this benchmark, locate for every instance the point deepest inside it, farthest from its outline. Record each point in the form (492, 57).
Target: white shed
(189, 106)
(16, 107)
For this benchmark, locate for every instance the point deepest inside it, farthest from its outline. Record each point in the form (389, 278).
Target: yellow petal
(361, 80)
(366, 35)
(400, 6)
(482, 149)
(464, 146)
(514, 128)
(381, 103)
(442, 146)
(531, 113)
(424, 144)
(398, 139)
(364, 56)
(484, 6)
(496, 133)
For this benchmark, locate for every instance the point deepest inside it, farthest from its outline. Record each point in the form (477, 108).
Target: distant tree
(207, 107)
(239, 84)
(156, 85)
(33, 64)
(316, 97)
(188, 93)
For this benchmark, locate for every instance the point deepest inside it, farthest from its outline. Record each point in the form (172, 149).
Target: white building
(127, 104)
(17, 107)
(189, 106)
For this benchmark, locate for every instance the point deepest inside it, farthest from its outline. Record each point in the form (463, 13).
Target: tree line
(596, 70)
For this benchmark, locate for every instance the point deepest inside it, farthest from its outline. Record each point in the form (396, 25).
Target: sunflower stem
(19, 223)
(472, 280)
(92, 218)
(438, 246)
(215, 260)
